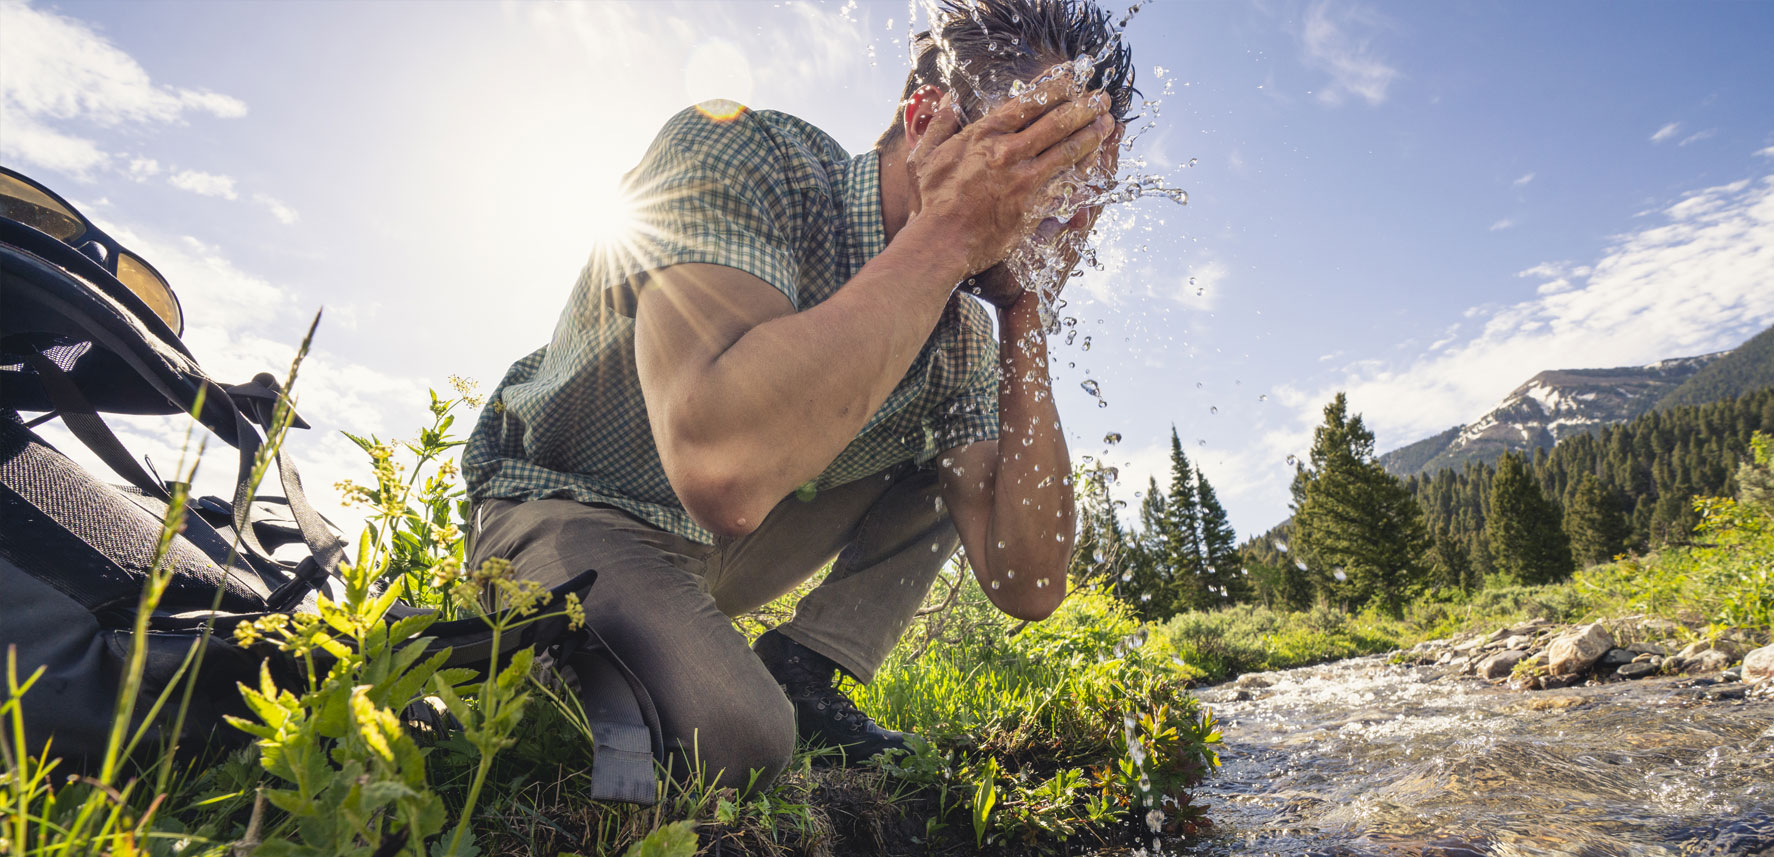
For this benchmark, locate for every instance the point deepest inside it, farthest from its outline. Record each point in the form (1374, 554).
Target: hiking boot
(824, 716)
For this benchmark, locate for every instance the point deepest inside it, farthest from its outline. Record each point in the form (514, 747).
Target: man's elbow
(719, 497)
(1030, 610)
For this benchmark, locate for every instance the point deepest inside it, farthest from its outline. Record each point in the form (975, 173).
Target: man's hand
(1000, 286)
(982, 183)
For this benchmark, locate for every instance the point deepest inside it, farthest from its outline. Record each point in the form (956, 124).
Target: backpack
(75, 551)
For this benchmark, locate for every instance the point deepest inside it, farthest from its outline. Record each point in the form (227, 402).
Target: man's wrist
(1021, 315)
(932, 247)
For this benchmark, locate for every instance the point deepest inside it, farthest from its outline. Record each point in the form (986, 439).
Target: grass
(1048, 738)
(1059, 737)
(1724, 581)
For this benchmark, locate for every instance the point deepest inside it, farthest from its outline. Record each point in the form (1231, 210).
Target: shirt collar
(862, 208)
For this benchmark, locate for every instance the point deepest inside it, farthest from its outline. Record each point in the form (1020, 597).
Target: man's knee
(746, 741)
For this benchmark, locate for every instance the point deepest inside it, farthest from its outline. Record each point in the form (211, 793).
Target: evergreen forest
(1360, 537)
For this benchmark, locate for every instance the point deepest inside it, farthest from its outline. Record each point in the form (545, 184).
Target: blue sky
(1422, 204)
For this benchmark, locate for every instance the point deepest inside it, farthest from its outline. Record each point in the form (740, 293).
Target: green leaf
(518, 670)
(451, 701)
(677, 839)
(407, 686)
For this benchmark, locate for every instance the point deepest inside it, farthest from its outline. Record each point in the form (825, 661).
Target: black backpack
(75, 551)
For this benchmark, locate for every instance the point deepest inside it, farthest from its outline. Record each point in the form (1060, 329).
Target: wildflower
(353, 494)
(447, 534)
(446, 573)
(574, 610)
(466, 387)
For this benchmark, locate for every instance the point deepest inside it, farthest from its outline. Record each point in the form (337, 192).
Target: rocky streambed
(1441, 751)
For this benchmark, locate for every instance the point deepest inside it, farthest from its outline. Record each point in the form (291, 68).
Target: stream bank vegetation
(1068, 736)
(1075, 735)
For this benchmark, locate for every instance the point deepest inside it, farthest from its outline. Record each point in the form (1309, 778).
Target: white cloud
(1693, 282)
(284, 214)
(1503, 224)
(54, 70)
(1698, 136)
(1523, 180)
(1337, 44)
(142, 169)
(25, 140)
(1666, 132)
(1766, 153)
(1205, 284)
(205, 184)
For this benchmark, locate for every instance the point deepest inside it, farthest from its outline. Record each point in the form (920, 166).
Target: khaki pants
(663, 603)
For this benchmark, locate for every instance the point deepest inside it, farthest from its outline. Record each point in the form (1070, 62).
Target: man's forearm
(774, 406)
(1029, 540)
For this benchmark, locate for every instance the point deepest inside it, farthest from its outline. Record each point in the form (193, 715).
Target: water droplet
(1292, 461)
(1197, 385)
(1339, 574)
(1086, 344)
(1102, 404)
(1201, 441)
(1263, 398)
(933, 547)
(1112, 438)
(994, 584)
(1145, 596)
(1000, 544)
(1213, 410)
(1041, 583)
(1090, 386)
(1300, 564)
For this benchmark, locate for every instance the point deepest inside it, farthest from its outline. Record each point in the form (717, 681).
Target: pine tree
(1149, 590)
(1180, 534)
(1528, 543)
(1356, 525)
(1595, 523)
(1219, 544)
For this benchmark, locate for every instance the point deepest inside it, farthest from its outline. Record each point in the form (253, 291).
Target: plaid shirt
(775, 197)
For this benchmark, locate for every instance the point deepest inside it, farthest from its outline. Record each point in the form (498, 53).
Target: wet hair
(975, 48)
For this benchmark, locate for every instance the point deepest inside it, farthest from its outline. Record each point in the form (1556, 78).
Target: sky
(1422, 204)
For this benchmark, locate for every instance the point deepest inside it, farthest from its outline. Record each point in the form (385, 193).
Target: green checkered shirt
(775, 197)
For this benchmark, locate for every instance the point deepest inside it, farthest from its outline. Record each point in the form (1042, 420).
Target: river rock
(1636, 669)
(1645, 648)
(1694, 650)
(1554, 682)
(1711, 660)
(1759, 664)
(1617, 657)
(1574, 651)
(1253, 680)
(1501, 664)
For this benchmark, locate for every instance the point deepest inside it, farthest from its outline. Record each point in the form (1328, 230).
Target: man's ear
(920, 108)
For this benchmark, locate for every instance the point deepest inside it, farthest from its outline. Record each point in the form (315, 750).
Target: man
(777, 369)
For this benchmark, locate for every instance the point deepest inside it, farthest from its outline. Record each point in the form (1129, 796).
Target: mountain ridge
(1552, 405)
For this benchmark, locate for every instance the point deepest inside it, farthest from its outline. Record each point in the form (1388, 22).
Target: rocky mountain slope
(1747, 367)
(1550, 406)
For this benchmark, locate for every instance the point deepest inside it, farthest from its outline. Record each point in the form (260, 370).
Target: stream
(1362, 758)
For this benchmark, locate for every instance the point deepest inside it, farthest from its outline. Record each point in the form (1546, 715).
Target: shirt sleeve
(709, 190)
